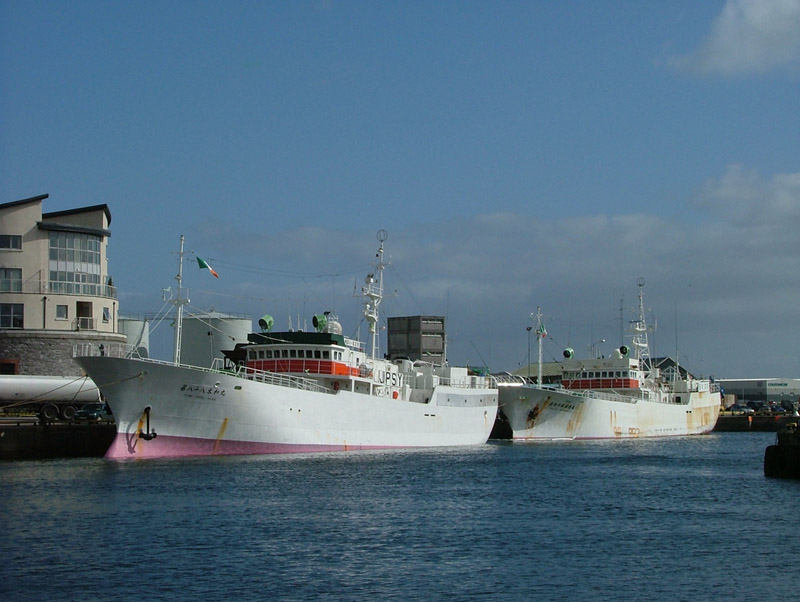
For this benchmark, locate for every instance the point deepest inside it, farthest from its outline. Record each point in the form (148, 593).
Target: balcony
(81, 289)
(82, 323)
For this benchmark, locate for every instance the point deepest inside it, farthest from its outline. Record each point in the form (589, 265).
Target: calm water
(681, 519)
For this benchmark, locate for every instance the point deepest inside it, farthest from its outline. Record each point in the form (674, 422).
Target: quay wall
(29, 440)
(757, 423)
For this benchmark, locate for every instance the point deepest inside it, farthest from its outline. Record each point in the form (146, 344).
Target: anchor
(149, 434)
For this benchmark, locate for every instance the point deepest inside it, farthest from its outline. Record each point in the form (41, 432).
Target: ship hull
(196, 412)
(545, 414)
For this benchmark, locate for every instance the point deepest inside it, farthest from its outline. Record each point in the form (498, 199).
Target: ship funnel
(569, 353)
(265, 323)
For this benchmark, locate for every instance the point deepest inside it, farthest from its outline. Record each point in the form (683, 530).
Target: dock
(758, 423)
(28, 439)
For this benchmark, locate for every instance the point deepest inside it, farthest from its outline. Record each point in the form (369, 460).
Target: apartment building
(55, 288)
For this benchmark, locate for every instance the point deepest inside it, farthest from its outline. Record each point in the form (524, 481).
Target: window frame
(12, 315)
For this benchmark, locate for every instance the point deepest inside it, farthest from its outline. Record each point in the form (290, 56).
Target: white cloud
(747, 199)
(749, 36)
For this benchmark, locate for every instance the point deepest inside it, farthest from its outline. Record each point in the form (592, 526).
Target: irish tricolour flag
(204, 266)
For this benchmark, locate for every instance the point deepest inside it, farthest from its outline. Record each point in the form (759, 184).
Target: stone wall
(48, 353)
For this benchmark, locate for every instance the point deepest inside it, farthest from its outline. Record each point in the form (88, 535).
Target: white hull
(202, 412)
(549, 413)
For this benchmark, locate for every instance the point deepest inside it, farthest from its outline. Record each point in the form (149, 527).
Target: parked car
(739, 409)
(94, 412)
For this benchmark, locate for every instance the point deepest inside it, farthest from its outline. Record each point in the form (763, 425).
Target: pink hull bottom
(130, 446)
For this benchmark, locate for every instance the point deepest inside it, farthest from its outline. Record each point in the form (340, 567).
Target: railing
(507, 378)
(219, 366)
(428, 381)
(585, 394)
(643, 395)
(471, 382)
(355, 344)
(272, 378)
(68, 288)
(82, 323)
(121, 350)
(105, 349)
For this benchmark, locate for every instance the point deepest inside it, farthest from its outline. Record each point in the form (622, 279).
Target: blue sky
(519, 154)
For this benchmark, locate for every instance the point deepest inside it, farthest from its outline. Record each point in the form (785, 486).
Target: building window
(106, 314)
(10, 280)
(61, 312)
(11, 315)
(11, 241)
(75, 263)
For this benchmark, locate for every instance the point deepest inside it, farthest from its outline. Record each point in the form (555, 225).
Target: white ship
(621, 396)
(290, 392)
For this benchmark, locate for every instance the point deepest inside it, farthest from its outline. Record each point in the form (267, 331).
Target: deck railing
(219, 366)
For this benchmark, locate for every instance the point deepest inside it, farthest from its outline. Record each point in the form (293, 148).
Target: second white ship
(622, 396)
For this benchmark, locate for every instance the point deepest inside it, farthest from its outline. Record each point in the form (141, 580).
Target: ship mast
(639, 341)
(373, 293)
(179, 302)
(540, 334)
